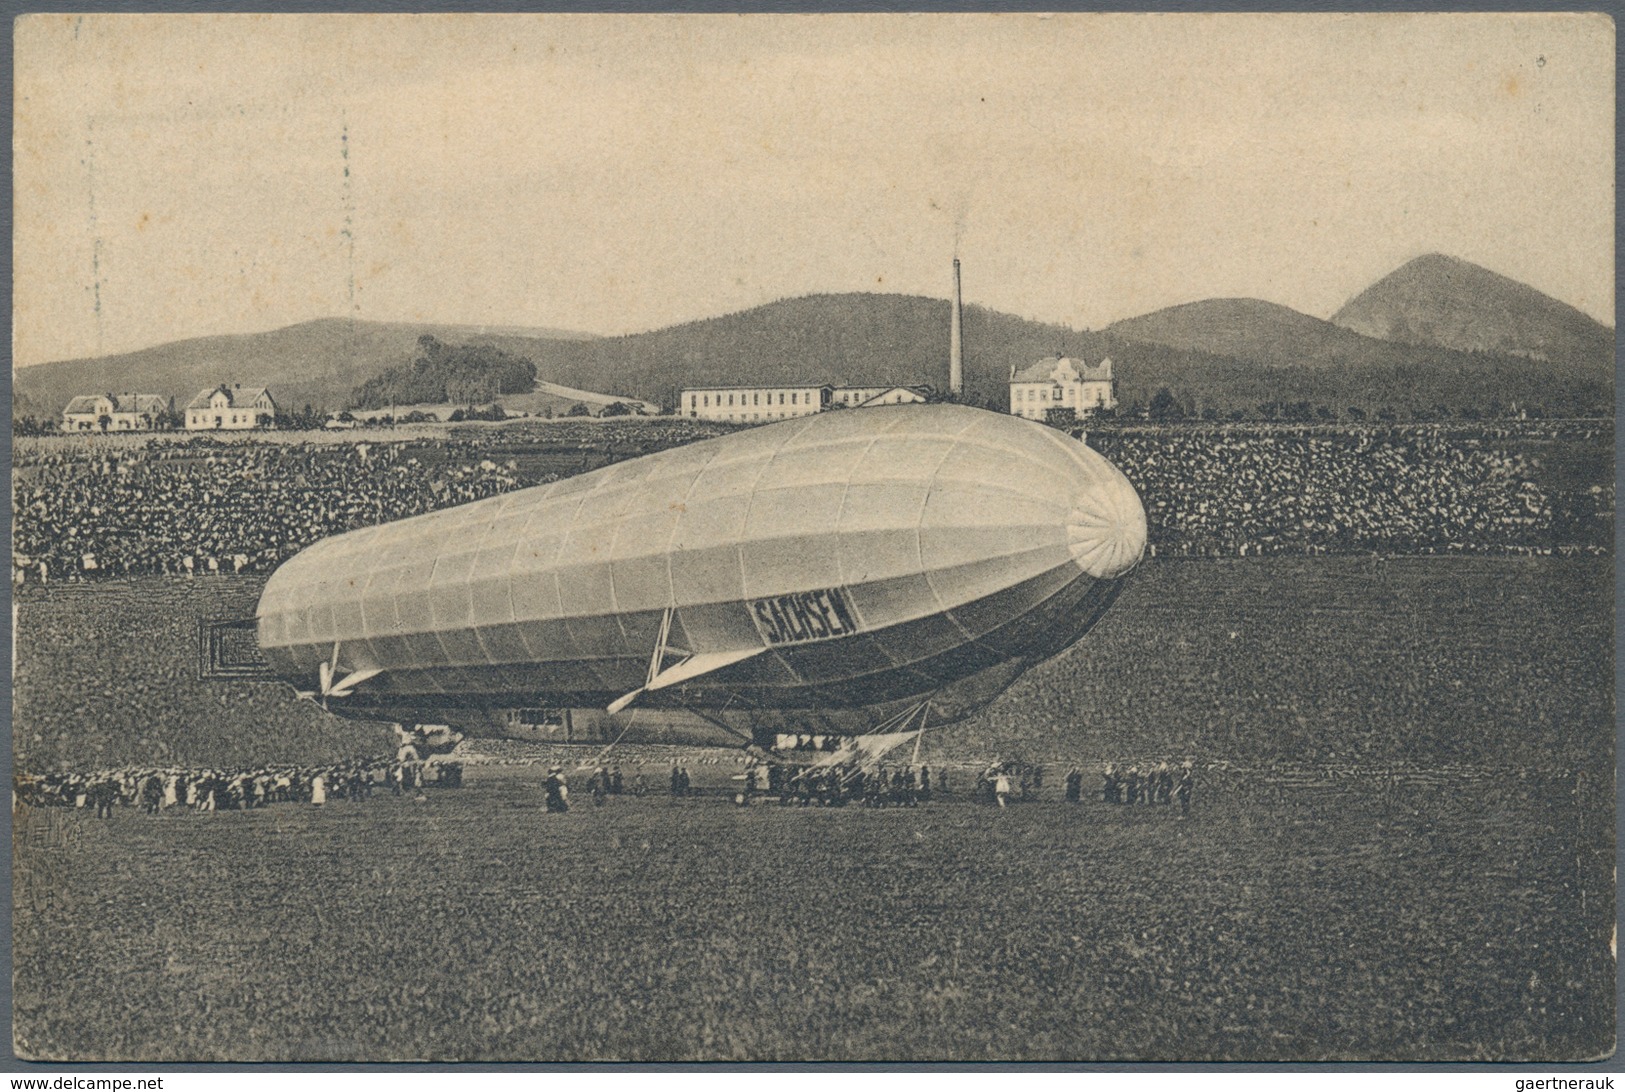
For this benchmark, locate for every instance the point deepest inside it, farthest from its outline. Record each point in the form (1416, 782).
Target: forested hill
(1220, 354)
(1217, 355)
(856, 338)
(466, 374)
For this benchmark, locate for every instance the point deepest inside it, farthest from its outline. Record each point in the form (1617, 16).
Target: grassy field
(1401, 848)
(1468, 919)
(1425, 661)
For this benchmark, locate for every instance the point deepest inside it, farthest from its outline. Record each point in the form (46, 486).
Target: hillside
(1437, 300)
(856, 338)
(1229, 353)
(1264, 333)
(1224, 354)
(318, 362)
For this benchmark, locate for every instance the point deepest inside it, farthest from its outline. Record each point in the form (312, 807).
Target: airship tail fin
(701, 663)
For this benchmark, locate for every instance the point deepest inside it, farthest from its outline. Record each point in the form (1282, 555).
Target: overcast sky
(186, 175)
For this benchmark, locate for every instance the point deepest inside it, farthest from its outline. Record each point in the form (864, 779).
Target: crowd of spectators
(203, 508)
(1253, 490)
(197, 512)
(86, 511)
(839, 784)
(155, 790)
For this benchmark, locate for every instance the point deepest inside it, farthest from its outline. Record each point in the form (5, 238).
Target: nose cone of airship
(1106, 527)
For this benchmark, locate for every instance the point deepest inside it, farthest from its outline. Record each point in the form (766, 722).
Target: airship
(836, 573)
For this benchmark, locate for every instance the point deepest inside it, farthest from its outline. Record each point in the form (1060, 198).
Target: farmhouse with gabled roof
(233, 407)
(114, 412)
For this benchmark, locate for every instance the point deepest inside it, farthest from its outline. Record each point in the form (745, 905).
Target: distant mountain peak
(1446, 302)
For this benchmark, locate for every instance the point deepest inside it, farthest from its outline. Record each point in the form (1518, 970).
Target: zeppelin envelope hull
(846, 560)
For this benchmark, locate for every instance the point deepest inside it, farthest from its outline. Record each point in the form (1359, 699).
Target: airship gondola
(838, 569)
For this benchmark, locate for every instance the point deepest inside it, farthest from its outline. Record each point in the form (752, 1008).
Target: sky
(187, 175)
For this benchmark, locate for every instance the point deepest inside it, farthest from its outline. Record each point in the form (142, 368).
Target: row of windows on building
(752, 398)
(780, 403)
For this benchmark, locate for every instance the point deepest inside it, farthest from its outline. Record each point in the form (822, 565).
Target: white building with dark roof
(114, 412)
(1060, 382)
(233, 407)
(753, 404)
(878, 396)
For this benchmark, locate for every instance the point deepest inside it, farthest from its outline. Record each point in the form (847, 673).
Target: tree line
(466, 374)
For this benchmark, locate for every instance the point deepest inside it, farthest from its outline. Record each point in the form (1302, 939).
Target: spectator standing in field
(616, 782)
(1165, 784)
(556, 790)
(676, 779)
(1074, 785)
(104, 792)
(1187, 783)
(1131, 786)
(318, 790)
(1001, 787)
(925, 784)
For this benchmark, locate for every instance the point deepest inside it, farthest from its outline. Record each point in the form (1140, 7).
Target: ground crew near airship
(902, 787)
(1074, 785)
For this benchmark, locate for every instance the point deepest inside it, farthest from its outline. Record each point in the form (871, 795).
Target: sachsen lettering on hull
(803, 616)
(841, 565)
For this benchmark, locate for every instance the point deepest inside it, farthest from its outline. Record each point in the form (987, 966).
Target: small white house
(233, 407)
(114, 412)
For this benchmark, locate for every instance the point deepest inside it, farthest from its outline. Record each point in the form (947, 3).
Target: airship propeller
(344, 687)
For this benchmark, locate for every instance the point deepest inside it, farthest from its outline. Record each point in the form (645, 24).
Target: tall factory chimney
(956, 362)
